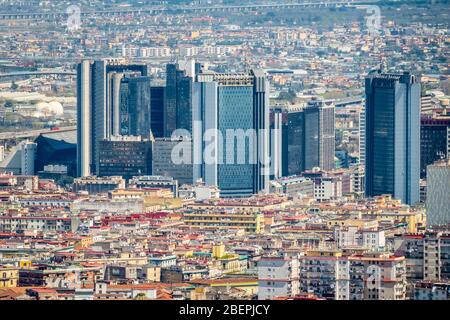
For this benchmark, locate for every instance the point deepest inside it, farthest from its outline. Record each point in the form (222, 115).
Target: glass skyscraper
(237, 103)
(178, 107)
(392, 121)
(157, 111)
(135, 106)
(308, 137)
(319, 135)
(434, 141)
(98, 87)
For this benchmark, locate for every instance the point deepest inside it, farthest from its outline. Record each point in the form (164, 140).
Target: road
(186, 9)
(33, 133)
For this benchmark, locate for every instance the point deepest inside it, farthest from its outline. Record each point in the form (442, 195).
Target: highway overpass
(33, 133)
(185, 9)
(37, 73)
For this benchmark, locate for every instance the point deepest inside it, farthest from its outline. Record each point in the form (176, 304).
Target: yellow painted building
(218, 251)
(233, 263)
(204, 219)
(9, 277)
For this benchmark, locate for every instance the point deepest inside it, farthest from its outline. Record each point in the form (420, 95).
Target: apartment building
(278, 277)
(20, 224)
(9, 276)
(217, 219)
(377, 276)
(325, 273)
(427, 255)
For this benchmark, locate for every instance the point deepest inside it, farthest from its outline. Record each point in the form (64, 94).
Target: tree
(140, 296)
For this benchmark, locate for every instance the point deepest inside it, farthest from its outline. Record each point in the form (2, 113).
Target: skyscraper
(98, 86)
(135, 106)
(393, 136)
(276, 143)
(438, 200)
(178, 108)
(292, 144)
(170, 100)
(319, 135)
(434, 140)
(308, 138)
(236, 106)
(157, 111)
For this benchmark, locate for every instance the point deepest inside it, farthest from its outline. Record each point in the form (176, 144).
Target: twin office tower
(115, 98)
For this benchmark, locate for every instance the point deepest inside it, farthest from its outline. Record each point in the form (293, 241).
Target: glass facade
(383, 142)
(125, 158)
(393, 136)
(311, 137)
(434, 141)
(235, 112)
(170, 100)
(135, 106)
(294, 144)
(157, 111)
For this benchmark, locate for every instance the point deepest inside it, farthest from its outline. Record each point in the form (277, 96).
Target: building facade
(393, 136)
(231, 111)
(135, 107)
(173, 158)
(434, 141)
(98, 111)
(319, 135)
(125, 156)
(438, 199)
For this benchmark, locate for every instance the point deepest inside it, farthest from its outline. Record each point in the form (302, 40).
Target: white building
(28, 155)
(278, 277)
(2, 153)
(372, 240)
(327, 188)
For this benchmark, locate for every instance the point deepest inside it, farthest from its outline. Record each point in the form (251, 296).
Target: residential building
(95, 184)
(278, 277)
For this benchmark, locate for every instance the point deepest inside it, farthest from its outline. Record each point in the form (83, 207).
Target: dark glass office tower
(178, 95)
(295, 145)
(184, 105)
(178, 106)
(157, 111)
(318, 135)
(135, 106)
(97, 107)
(292, 142)
(434, 141)
(393, 136)
(308, 138)
(170, 101)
